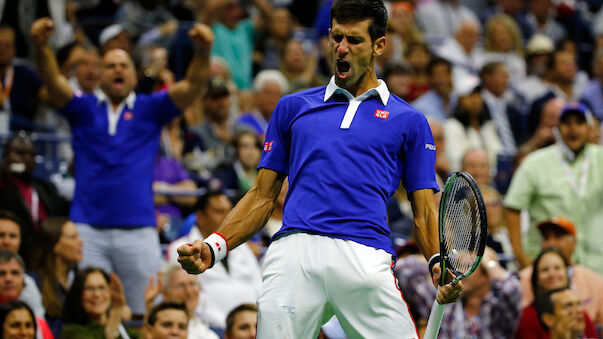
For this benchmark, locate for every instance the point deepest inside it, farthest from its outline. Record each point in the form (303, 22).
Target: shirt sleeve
(78, 108)
(521, 188)
(162, 107)
(419, 156)
(275, 155)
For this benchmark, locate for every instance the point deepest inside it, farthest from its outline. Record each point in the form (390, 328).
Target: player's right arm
(57, 86)
(246, 219)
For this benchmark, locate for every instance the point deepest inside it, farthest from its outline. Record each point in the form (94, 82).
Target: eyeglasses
(99, 288)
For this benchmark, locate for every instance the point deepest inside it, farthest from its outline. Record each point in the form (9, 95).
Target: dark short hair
(8, 215)
(6, 256)
(73, 310)
(162, 306)
(8, 307)
(232, 314)
(544, 303)
(203, 200)
(534, 278)
(437, 61)
(397, 69)
(490, 68)
(346, 11)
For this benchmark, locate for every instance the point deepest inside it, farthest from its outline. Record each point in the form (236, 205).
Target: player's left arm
(186, 90)
(426, 231)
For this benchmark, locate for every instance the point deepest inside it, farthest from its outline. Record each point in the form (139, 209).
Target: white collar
(380, 90)
(129, 100)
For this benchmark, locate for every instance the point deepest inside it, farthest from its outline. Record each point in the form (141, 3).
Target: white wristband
(219, 246)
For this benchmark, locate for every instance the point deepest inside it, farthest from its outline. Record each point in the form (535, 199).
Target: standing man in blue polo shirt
(345, 147)
(115, 138)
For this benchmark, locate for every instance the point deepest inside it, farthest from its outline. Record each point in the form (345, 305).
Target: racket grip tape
(435, 320)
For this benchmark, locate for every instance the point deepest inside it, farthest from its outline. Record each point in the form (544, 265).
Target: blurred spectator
(95, 307)
(167, 320)
(550, 273)
(498, 235)
(268, 87)
(241, 322)
(115, 139)
(271, 43)
(560, 233)
(439, 19)
(17, 321)
(503, 43)
(87, 71)
(562, 76)
(440, 101)
(235, 35)
(177, 286)
(115, 37)
(561, 315)
(541, 20)
(592, 96)
(562, 179)
(233, 281)
(16, 285)
(57, 252)
(538, 53)
(464, 52)
(470, 127)
(10, 232)
(20, 89)
(442, 162)
(31, 199)
(147, 21)
(544, 135)
(503, 106)
(489, 307)
(418, 57)
(300, 67)
(398, 77)
(156, 75)
(404, 26)
(240, 176)
(475, 162)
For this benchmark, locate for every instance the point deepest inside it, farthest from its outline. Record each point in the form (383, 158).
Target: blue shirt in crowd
(345, 157)
(114, 155)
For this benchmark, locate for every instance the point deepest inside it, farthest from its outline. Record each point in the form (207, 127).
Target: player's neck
(366, 82)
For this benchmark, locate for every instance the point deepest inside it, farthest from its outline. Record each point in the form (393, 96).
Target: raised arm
(57, 92)
(186, 90)
(246, 219)
(513, 222)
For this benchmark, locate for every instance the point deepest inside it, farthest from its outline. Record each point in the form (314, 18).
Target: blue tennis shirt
(345, 157)
(114, 155)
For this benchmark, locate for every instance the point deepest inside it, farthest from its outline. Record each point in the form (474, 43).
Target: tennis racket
(462, 228)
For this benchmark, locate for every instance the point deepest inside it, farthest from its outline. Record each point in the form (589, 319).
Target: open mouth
(118, 81)
(343, 67)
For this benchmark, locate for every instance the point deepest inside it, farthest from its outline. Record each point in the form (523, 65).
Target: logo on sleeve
(381, 114)
(430, 147)
(128, 115)
(268, 146)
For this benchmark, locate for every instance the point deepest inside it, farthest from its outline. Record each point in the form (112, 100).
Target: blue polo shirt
(345, 157)
(114, 156)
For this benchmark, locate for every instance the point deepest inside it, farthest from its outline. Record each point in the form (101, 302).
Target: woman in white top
(470, 127)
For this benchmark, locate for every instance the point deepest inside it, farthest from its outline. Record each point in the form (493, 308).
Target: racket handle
(435, 320)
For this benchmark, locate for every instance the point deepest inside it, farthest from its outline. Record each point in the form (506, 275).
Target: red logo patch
(381, 114)
(268, 146)
(219, 247)
(128, 116)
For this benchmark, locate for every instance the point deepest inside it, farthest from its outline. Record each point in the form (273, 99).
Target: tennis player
(345, 147)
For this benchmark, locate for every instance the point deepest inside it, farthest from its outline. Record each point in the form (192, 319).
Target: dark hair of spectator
(397, 69)
(44, 263)
(346, 11)
(534, 278)
(416, 45)
(232, 314)
(64, 52)
(490, 68)
(5, 27)
(437, 61)
(7, 308)
(6, 256)
(552, 61)
(544, 304)
(463, 116)
(162, 306)
(236, 140)
(73, 310)
(8, 215)
(203, 200)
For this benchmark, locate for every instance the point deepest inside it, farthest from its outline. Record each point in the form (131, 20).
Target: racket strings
(462, 223)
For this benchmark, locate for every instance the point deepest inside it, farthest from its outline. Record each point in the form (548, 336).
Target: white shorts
(309, 278)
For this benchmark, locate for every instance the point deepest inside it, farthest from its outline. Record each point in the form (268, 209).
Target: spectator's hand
(118, 299)
(195, 258)
(202, 36)
(169, 27)
(154, 286)
(41, 30)
(447, 293)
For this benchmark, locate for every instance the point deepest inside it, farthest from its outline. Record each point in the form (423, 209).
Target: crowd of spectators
(130, 127)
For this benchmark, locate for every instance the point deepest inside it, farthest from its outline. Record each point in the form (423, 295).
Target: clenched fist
(195, 258)
(41, 30)
(202, 36)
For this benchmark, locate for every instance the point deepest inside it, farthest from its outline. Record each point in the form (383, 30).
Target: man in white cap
(115, 36)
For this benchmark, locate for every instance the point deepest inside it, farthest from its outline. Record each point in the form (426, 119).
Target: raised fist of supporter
(41, 30)
(202, 36)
